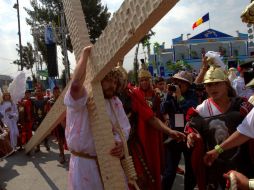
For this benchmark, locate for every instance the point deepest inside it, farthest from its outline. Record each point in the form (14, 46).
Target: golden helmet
(215, 74)
(143, 73)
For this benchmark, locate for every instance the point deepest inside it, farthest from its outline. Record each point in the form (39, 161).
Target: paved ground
(40, 171)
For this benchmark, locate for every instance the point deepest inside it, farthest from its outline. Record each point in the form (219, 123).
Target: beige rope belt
(83, 155)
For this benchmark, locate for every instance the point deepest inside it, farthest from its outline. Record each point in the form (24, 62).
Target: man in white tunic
(83, 168)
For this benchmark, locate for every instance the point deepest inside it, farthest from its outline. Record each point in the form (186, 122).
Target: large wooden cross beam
(127, 26)
(248, 14)
(80, 38)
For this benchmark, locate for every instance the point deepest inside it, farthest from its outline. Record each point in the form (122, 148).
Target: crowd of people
(166, 119)
(19, 121)
(204, 118)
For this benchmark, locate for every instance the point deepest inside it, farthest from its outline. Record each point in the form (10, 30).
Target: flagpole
(209, 24)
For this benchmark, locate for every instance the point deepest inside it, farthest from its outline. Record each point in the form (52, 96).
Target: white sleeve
(247, 126)
(202, 109)
(75, 105)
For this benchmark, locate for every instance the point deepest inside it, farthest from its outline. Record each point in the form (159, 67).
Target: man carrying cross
(83, 169)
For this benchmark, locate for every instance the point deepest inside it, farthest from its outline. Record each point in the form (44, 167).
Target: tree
(27, 57)
(145, 41)
(156, 48)
(46, 11)
(96, 17)
(178, 66)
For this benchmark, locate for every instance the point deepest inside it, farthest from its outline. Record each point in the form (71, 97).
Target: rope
(127, 161)
(232, 182)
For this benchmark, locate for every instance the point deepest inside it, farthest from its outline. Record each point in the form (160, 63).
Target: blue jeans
(173, 151)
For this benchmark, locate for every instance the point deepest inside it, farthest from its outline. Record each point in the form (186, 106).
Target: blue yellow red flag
(201, 20)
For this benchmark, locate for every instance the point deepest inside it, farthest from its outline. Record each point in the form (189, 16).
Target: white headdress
(16, 88)
(214, 59)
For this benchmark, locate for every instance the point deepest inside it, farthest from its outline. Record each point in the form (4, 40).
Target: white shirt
(208, 108)
(247, 126)
(241, 90)
(84, 173)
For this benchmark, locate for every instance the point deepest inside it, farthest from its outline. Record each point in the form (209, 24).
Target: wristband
(181, 98)
(218, 149)
(251, 184)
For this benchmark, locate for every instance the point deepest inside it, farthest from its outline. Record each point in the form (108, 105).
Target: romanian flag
(200, 21)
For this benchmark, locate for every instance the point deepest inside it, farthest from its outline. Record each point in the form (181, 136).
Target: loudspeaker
(52, 60)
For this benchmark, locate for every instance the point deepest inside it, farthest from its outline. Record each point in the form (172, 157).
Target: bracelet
(181, 98)
(218, 149)
(251, 184)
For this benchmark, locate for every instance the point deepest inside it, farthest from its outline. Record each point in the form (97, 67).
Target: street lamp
(16, 6)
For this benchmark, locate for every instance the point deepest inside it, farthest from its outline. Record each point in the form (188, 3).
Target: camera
(171, 87)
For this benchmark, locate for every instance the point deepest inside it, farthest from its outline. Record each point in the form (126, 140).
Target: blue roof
(177, 40)
(210, 33)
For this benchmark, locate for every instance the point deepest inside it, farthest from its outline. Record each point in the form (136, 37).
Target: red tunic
(25, 120)
(146, 149)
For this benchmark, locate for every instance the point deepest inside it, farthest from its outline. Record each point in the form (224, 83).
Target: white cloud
(224, 17)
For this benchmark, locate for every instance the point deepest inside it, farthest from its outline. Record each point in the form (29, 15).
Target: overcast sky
(224, 17)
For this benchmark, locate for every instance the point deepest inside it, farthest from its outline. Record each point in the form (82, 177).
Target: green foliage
(46, 11)
(194, 55)
(27, 57)
(156, 47)
(145, 41)
(179, 65)
(96, 16)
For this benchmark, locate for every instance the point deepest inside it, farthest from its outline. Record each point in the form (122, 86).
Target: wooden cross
(127, 26)
(247, 15)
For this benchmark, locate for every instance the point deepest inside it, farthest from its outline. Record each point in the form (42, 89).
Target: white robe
(208, 108)
(241, 90)
(11, 123)
(247, 126)
(84, 173)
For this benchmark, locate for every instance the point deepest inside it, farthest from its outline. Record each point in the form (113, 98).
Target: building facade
(233, 50)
